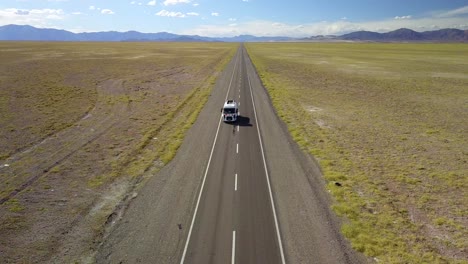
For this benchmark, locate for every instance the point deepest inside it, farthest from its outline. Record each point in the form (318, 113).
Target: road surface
(234, 220)
(234, 193)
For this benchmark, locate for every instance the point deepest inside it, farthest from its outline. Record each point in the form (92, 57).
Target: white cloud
(339, 27)
(92, 8)
(402, 17)
(22, 12)
(107, 12)
(245, 0)
(175, 2)
(456, 18)
(133, 2)
(77, 13)
(166, 13)
(152, 3)
(215, 14)
(276, 24)
(196, 4)
(33, 17)
(192, 14)
(51, 14)
(453, 13)
(232, 19)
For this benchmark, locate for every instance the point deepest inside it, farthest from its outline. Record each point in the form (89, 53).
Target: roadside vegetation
(83, 124)
(388, 124)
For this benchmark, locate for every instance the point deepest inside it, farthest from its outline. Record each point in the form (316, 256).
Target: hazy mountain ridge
(17, 32)
(29, 33)
(404, 34)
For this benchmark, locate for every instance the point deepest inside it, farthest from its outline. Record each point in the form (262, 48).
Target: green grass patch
(14, 205)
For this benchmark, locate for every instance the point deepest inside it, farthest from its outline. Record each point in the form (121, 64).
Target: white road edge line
(235, 183)
(233, 258)
(206, 172)
(267, 176)
(237, 148)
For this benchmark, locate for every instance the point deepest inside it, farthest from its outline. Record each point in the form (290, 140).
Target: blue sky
(216, 18)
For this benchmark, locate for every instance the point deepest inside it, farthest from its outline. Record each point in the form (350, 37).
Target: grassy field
(389, 125)
(80, 125)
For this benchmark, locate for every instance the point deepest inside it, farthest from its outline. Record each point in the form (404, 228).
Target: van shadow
(242, 121)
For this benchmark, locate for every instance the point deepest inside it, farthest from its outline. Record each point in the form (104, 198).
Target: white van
(230, 111)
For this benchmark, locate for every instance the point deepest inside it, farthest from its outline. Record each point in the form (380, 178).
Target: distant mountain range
(29, 33)
(400, 35)
(404, 34)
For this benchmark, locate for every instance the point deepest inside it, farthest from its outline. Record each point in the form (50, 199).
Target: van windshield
(229, 110)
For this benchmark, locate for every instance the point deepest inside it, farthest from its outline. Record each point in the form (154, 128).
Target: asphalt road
(234, 220)
(234, 193)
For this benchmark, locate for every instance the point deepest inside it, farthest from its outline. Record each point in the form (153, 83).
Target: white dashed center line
(233, 258)
(235, 183)
(206, 173)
